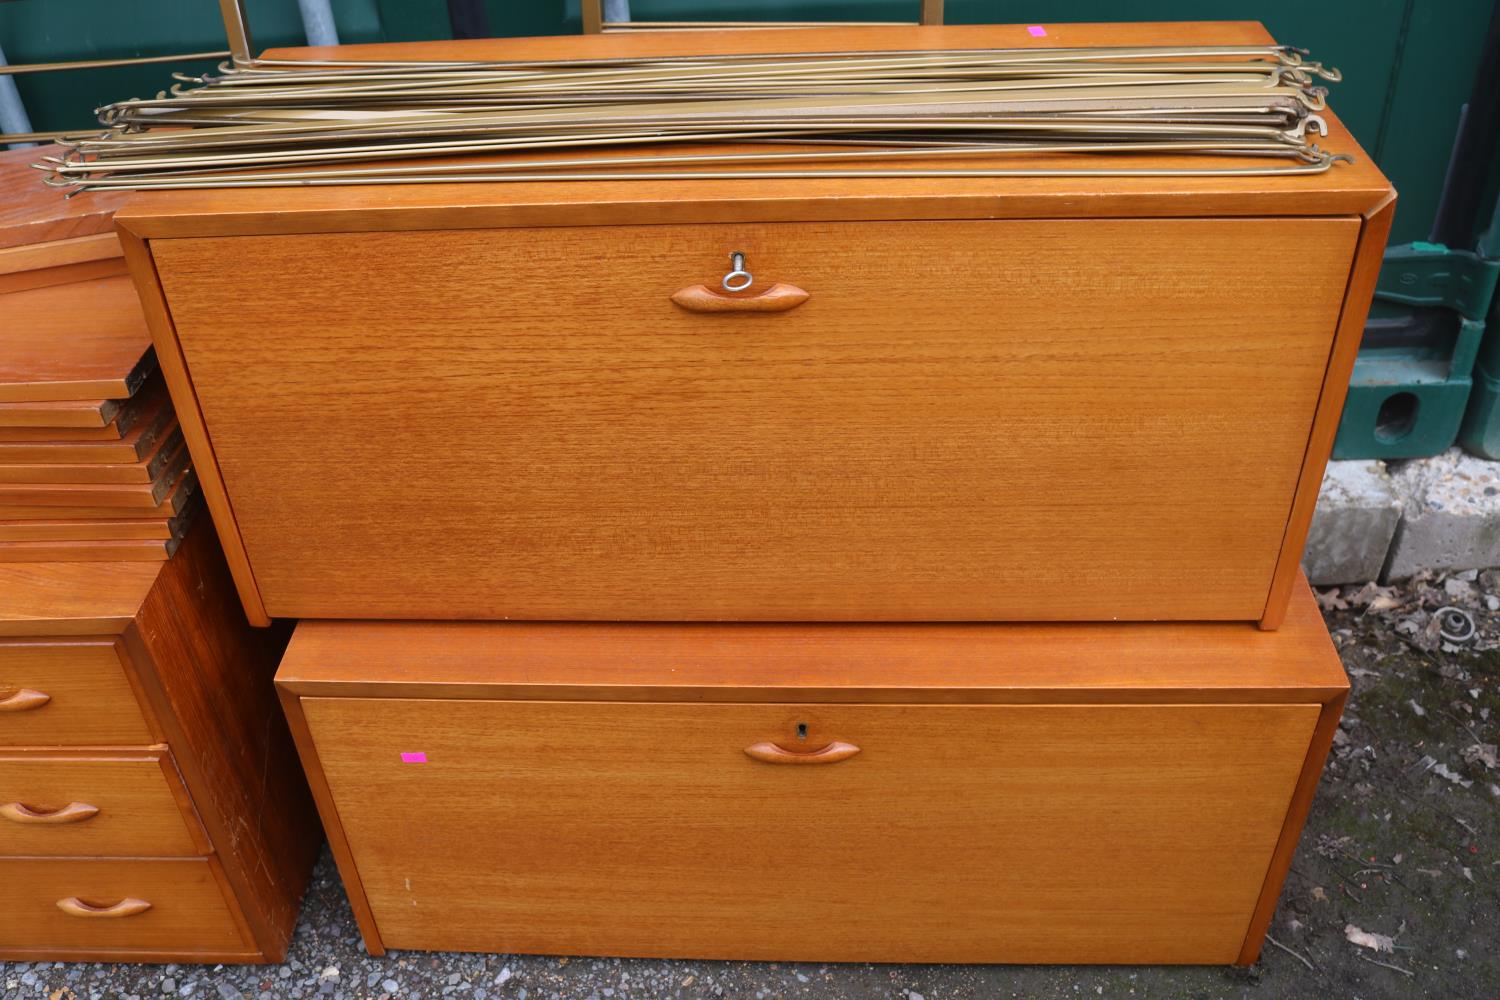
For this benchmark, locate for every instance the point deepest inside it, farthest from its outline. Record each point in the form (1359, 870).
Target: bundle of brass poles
(959, 113)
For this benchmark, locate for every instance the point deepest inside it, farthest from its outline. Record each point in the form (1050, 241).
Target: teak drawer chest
(151, 807)
(794, 792)
(1001, 399)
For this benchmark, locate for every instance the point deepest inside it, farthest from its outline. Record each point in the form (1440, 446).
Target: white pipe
(317, 22)
(13, 117)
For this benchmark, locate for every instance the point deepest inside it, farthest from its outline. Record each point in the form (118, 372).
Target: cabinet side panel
(210, 674)
(185, 400)
(1296, 818)
(338, 843)
(1362, 276)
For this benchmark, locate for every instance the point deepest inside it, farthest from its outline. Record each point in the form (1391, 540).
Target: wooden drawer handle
(75, 907)
(73, 812)
(773, 754)
(778, 298)
(23, 700)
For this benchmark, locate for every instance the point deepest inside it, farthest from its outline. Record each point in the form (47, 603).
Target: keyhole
(801, 730)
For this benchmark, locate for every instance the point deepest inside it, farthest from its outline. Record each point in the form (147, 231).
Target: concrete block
(1352, 529)
(1451, 516)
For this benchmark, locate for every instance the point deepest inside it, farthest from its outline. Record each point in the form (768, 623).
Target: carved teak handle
(21, 699)
(73, 812)
(75, 907)
(778, 298)
(830, 754)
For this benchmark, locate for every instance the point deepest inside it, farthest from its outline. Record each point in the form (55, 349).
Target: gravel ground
(1394, 893)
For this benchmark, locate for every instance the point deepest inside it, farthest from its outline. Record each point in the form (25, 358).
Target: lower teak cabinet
(913, 793)
(151, 806)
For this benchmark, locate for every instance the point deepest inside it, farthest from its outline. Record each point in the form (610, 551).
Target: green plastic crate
(1416, 368)
(1480, 432)
(1408, 401)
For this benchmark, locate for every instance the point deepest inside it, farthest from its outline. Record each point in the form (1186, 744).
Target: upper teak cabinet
(950, 398)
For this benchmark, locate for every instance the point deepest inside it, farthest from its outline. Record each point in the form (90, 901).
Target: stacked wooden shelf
(92, 462)
(151, 808)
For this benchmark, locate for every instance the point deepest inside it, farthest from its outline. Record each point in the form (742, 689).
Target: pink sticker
(414, 758)
(1037, 31)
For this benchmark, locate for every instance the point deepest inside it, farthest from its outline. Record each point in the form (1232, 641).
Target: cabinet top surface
(1144, 662)
(60, 598)
(1344, 189)
(31, 212)
(70, 341)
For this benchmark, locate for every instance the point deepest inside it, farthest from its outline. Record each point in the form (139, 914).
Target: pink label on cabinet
(1037, 31)
(414, 758)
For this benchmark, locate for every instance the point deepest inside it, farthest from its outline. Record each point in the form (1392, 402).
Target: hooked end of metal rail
(1308, 123)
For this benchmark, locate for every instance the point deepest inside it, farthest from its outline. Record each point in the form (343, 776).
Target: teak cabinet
(860, 792)
(1002, 399)
(151, 806)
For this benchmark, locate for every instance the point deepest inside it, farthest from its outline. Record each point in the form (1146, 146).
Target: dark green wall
(1408, 64)
(33, 31)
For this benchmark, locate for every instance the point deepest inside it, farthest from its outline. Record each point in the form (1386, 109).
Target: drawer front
(67, 694)
(1058, 419)
(115, 806)
(954, 834)
(187, 911)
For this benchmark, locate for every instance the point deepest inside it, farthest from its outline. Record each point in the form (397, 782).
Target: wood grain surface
(49, 599)
(369, 669)
(1351, 327)
(866, 663)
(139, 812)
(168, 472)
(957, 834)
(79, 341)
(185, 400)
(90, 699)
(108, 433)
(154, 464)
(89, 529)
(188, 911)
(94, 550)
(338, 843)
(59, 253)
(187, 671)
(32, 213)
(1291, 831)
(127, 419)
(79, 420)
(1344, 190)
(208, 676)
(62, 262)
(1076, 419)
(132, 446)
(85, 414)
(181, 494)
(63, 274)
